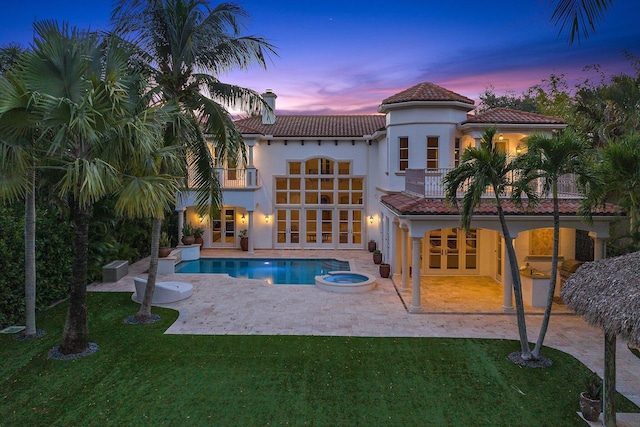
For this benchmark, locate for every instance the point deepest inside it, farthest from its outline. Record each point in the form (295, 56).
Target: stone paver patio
(224, 305)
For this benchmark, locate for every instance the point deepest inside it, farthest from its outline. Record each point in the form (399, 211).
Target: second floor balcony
(237, 178)
(428, 183)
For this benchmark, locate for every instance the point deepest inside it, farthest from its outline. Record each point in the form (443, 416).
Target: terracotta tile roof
(406, 204)
(314, 125)
(426, 92)
(507, 115)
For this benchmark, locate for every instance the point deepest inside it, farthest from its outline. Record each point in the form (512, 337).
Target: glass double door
(452, 251)
(319, 228)
(223, 229)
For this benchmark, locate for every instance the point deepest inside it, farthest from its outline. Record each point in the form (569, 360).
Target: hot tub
(345, 282)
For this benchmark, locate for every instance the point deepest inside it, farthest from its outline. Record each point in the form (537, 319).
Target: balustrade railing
(434, 188)
(236, 178)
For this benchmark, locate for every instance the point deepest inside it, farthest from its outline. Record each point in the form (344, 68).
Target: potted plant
(385, 270)
(165, 245)
(377, 256)
(591, 398)
(187, 235)
(244, 239)
(197, 234)
(372, 245)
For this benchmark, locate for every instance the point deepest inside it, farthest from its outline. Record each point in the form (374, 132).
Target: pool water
(277, 271)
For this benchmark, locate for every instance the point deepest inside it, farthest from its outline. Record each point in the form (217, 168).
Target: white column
(599, 246)
(405, 260)
(416, 306)
(250, 230)
(385, 238)
(250, 156)
(180, 225)
(393, 241)
(507, 292)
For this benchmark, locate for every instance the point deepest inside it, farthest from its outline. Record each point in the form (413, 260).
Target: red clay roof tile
(426, 92)
(507, 115)
(314, 125)
(406, 204)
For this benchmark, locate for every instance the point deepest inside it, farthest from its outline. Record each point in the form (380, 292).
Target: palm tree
(580, 15)
(18, 160)
(618, 170)
(480, 169)
(548, 159)
(80, 85)
(188, 43)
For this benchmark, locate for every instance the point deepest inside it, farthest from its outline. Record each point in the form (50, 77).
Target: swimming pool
(277, 271)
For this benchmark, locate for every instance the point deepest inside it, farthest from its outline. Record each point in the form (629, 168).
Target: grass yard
(142, 377)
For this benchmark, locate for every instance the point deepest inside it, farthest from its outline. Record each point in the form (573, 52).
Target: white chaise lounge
(165, 292)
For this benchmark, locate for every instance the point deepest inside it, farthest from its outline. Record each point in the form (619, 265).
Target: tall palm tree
(18, 161)
(548, 159)
(79, 84)
(480, 169)
(580, 15)
(188, 44)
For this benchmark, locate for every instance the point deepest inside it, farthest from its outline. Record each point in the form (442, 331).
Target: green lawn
(142, 377)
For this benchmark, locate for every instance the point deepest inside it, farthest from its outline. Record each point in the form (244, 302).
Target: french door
(452, 251)
(288, 227)
(223, 229)
(350, 228)
(319, 228)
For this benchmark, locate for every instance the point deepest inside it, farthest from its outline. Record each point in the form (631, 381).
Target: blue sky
(346, 56)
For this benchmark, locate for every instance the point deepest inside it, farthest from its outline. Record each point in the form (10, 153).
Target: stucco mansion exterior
(338, 181)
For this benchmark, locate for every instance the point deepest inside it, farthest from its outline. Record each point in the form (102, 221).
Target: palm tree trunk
(554, 273)
(145, 308)
(517, 285)
(30, 257)
(75, 338)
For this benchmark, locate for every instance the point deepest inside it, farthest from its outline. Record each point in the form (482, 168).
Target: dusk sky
(345, 57)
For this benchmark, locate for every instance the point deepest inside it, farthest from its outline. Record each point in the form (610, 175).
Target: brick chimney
(269, 117)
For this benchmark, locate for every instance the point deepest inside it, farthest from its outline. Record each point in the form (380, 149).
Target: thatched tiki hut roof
(607, 294)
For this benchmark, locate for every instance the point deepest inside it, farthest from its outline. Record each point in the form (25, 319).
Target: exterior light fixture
(242, 218)
(370, 219)
(500, 138)
(518, 149)
(266, 218)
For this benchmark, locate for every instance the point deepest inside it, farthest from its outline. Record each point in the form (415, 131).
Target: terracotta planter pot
(372, 246)
(188, 240)
(244, 243)
(377, 258)
(164, 252)
(590, 408)
(385, 270)
(200, 241)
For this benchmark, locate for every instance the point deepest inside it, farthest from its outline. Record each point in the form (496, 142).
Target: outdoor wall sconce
(201, 218)
(370, 219)
(266, 219)
(242, 218)
(500, 138)
(518, 149)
